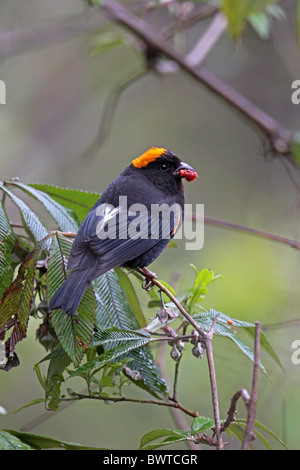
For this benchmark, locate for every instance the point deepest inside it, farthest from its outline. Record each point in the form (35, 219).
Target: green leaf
(7, 241)
(74, 332)
(237, 431)
(36, 401)
(9, 442)
(38, 442)
(203, 279)
(32, 224)
(113, 337)
(258, 425)
(132, 298)
(261, 21)
(55, 379)
(15, 306)
(201, 424)
(205, 320)
(106, 41)
(109, 356)
(144, 373)
(66, 220)
(170, 436)
(238, 12)
(265, 344)
(113, 309)
(247, 327)
(295, 148)
(79, 201)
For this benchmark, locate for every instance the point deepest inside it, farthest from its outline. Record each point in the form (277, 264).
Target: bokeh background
(55, 98)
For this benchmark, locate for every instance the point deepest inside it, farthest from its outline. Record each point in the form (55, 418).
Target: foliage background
(55, 96)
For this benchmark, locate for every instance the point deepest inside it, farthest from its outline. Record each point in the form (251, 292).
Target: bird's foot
(149, 277)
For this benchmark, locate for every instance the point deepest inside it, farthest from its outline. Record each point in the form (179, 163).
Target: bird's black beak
(185, 171)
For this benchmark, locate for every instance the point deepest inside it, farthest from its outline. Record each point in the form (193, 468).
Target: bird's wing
(116, 236)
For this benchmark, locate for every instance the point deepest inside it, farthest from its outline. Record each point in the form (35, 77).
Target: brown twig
(169, 403)
(243, 228)
(232, 410)
(207, 41)
(249, 436)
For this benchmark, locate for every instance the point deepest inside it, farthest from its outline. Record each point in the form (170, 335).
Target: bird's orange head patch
(149, 156)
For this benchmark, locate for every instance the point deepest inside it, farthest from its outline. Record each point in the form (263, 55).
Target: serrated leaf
(66, 221)
(113, 309)
(15, 306)
(32, 224)
(74, 332)
(149, 376)
(247, 327)
(113, 337)
(79, 201)
(204, 320)
(109, 356)
(9, 442)
(7, 241)
(201, 424)
(132, 298)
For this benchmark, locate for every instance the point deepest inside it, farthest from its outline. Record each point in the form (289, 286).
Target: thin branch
(108, 112)
(249, 436)
(243, 393)
(215, 400)
(204, 11)
(169, 403)
(243, 228)
(207, 41)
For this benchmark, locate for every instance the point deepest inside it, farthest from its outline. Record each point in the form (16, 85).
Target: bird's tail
(70, 292)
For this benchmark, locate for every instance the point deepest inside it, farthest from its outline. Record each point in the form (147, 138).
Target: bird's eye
(164, 167)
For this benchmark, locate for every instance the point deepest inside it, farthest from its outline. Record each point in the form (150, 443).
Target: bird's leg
(149, 276)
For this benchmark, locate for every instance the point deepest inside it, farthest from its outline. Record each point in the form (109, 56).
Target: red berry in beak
(189, 175)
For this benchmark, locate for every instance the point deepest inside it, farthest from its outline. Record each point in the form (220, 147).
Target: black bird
(127, 226)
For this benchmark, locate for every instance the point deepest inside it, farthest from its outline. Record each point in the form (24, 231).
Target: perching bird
(125, 227)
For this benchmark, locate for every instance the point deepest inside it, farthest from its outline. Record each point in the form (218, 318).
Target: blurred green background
(55, 97)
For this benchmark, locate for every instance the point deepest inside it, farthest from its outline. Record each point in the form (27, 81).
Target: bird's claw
(149, 277)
